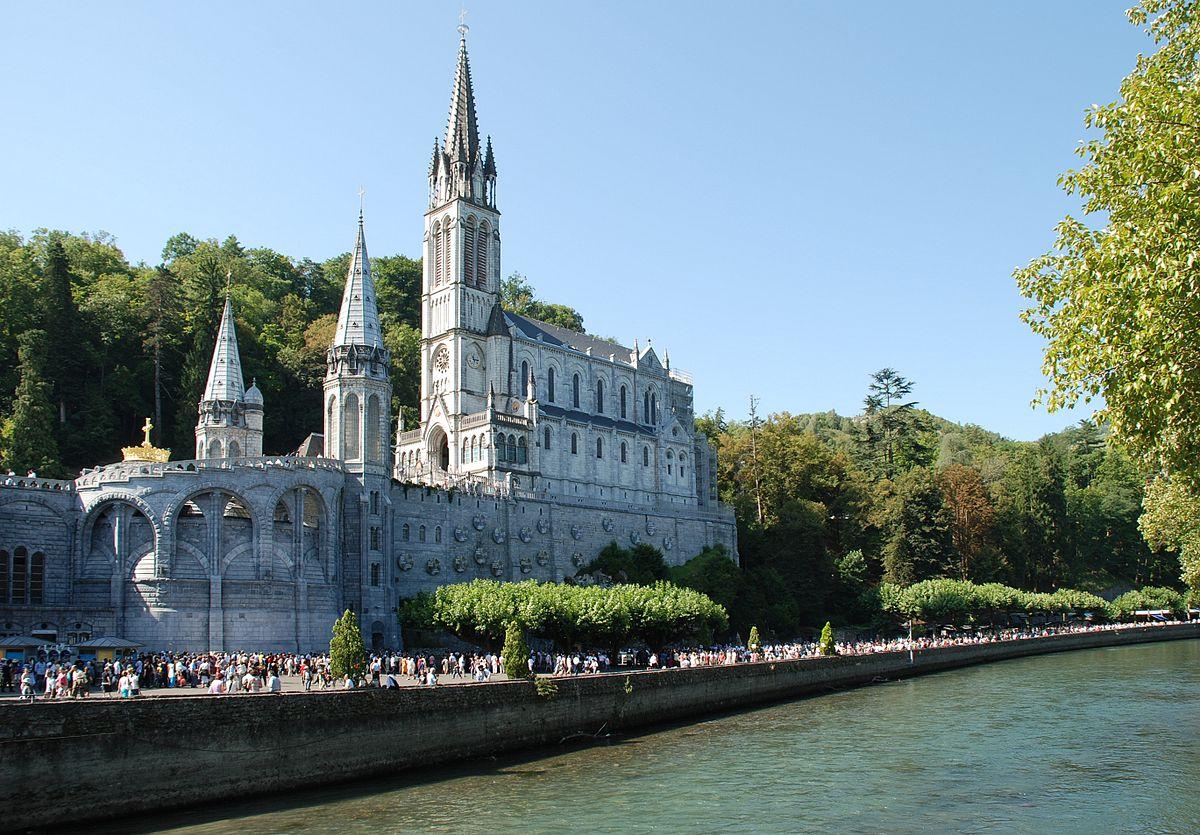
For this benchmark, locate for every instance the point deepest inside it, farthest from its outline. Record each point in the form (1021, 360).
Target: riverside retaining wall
(105, 757)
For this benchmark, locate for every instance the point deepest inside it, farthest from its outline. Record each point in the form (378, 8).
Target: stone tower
(231, 417)
(358, 390)
(358, 396)
(461, 279)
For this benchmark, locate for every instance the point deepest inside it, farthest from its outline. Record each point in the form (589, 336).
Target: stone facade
(537, 447)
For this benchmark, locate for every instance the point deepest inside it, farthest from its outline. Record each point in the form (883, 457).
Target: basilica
(536, 447)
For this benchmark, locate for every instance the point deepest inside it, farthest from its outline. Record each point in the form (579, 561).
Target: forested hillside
(90, 344)
(828, 506)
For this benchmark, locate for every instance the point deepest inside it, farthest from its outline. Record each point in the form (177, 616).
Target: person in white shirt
(274, 685)
(217, 687)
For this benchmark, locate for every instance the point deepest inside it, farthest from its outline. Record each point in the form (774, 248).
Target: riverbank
(85, 760)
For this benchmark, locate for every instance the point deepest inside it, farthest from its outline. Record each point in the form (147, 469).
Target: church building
(536, 447)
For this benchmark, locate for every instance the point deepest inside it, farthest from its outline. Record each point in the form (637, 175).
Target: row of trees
(90, 344)
(482, 611)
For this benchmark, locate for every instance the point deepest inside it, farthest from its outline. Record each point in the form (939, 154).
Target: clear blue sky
(786, 196)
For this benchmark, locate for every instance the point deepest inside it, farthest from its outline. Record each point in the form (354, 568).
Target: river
(1091, 741)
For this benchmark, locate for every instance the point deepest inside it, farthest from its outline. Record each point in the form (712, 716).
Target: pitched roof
(225, 371)
(358, 319)
(555, 335)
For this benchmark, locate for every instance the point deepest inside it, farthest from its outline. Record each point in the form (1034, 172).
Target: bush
(1148, 598)
(515, 654)
(828, 647)
(347, 653)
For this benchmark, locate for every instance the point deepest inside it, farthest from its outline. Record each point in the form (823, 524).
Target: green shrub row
(570, 616)
(959, 602)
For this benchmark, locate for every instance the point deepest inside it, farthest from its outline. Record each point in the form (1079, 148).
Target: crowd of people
(233, 673)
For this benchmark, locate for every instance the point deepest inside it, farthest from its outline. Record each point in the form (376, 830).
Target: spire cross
(463, 28)
(146, 428)
(361, 192)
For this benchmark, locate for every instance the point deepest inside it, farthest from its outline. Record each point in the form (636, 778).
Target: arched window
(20, 573)
(466, 449)
(234, 450)
(469, 251)
(421, 534)
(331, 427)
(645, 456)
(481, 256)
(512, 449)
(374, 574)
(501, 449)
(599, 447)
(653, 409)
(447, 250)
(350, 451)
(575, 391)
(475, 449)
(623, 407)
(406, 532)
(522, 452)
(374, 430)
(214, 449)
(550, 383)
(438, 257)
(574, 444)
(437, 534)
(600, 396)
(546, 434)
(624, 453)
(646, 407)
(524, 374)
(670, 458)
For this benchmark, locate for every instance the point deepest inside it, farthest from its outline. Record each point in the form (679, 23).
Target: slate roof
(603, 421)
(554, 335)
(358, 319)
(225, 372)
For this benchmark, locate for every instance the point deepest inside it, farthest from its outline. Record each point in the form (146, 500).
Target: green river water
(1101, 740)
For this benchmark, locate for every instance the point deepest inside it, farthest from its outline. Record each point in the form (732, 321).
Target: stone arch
(241, 571)
(438, 447)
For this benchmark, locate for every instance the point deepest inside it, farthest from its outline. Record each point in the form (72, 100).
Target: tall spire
(358, 320)
(462, 131)
(225, 372)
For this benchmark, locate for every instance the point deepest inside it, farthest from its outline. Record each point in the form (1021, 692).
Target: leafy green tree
(515, 655)
(27, 442)
(347, 653)
(640, 564)
(517, 296)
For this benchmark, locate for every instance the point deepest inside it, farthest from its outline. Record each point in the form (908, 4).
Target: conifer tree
(755, 643)
(27, 442)
(828, 647)
(515, 654)
(347, 653)
(60, 322)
